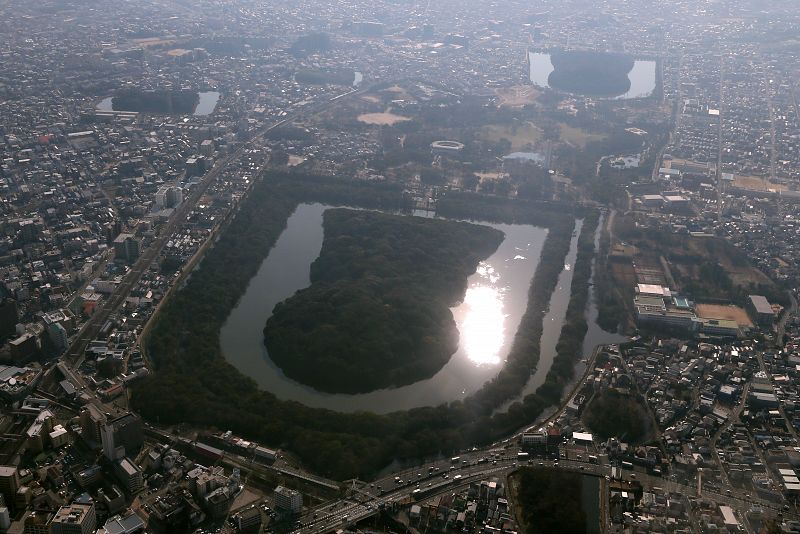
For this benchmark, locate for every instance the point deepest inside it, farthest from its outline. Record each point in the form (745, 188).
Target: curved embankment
(193, 383)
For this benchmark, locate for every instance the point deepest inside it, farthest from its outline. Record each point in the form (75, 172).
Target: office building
(248, 520)
(75, 518)
(122, 436)
(126, 247)
(9, 482)
(24, 348)
(37, 522)
(129, 524)
(8, 317)
(129, 475)
(760, 310)
(92, 420)
(288, 500)
(168, 196)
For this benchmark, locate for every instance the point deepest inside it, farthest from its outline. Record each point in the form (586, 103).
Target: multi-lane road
(366, 499)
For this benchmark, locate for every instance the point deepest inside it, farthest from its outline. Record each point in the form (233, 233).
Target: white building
(288, 500)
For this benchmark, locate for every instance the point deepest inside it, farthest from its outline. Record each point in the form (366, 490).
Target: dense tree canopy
(590, 73)
(160, 101)
(377, 311)
(613, 414)
(192, 382)
(550, 501)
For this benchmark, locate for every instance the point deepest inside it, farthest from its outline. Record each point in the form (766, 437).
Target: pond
(642, 76)
(205, 106)
(487, 319)
(554, 320)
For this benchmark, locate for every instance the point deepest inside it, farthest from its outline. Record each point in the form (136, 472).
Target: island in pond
(377, 312)
(162, 101)
(590, 73)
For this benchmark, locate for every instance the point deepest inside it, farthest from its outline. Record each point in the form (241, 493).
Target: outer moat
(486, 313)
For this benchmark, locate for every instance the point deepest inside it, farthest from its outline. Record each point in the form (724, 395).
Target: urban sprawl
(113, 189)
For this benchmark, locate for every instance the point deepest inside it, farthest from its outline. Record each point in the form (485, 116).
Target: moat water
(487, 319)
(205, 106)
(642, 76)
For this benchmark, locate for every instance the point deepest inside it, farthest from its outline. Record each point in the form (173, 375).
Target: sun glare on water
(484, 323)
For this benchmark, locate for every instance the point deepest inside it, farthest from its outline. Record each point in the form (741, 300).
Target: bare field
(382, 119)
(747, 276)
(578, 136)
(518, 96)
(756, 183)
(153, 41)
(399, 91)
(741, 275)
(295, 160)
(729, 312)
(623, 273)
(520, 136)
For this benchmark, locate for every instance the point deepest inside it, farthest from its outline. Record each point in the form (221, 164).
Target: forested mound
(377, 312)
(549, 500)
(181, 102)
(590, 73)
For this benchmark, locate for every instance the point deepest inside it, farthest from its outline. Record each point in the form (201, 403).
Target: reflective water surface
(482, 327)
(642, 76)
(554, 319)
(487, 319)
(205, 106)
(207, 103)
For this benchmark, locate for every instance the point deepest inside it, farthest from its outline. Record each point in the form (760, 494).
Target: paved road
(91, 328)
(367, 502)
(781, 326)
(74, 355)
(367, 497)
(236, 460)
